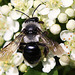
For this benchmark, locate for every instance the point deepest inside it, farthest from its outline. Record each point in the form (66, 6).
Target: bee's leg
(21, 47)
(46, 49)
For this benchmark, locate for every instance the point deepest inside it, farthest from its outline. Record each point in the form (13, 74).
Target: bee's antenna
(23, 13)
(36, 9)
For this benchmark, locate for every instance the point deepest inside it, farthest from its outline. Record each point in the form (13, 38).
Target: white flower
(18, 58)
(12, 71)
(72, 56)
(13, 26)
(53, 4)
(36, 3)
(71, 25)
(22, 5)
(48, 65)
(70, 12)
(66, 3)
(62, 18)
(5, 9)
(64, 60)
(15, 15)
(66, 50)
(15, 2)
(53, 14)
(1, 71)
(66, 35)
(8, 35)
(69, 45)
(55, 29)
(44, 11)
(50, 23)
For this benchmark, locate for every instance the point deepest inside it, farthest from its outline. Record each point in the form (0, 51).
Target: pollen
(6, 62)
(68, 38)
(12, 65)
(25, 70)
(70, 35)
(68, 53)
(66, 46)
(0, 69)
(63, 38)
(44, 59)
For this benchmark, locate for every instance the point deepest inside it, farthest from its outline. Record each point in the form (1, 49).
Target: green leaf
(34, 72)
(55, 72)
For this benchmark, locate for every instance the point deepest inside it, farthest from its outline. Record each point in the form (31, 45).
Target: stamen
(63, 38)
(71, 50)
(70, 35)
(66, 46)
(68, 38)
(68, 53)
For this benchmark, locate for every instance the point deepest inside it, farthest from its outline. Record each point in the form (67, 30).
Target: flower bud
(70, 25)
(70, 12)
(18, 58)
(5, 9)
(62, 18)
(55, 29)
(64, 60)
(22, 67)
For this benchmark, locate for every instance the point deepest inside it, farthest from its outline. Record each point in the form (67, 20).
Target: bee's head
(31, 28)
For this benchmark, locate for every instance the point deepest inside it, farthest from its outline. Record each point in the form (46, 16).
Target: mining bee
(28, 42)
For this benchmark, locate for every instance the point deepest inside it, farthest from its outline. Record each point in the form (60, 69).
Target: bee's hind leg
(46, 49)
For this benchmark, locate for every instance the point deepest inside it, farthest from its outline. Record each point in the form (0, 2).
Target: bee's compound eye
(32, 53)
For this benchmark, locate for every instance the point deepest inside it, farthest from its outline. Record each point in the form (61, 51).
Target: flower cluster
(68, 58)
(54, 14)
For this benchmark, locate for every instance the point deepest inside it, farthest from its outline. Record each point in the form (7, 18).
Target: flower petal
(18, 58)
(45, 11)
(16, 27)
(64, 60)
(12, 71)
(30, 3)
(66, 3)
(8, 35)
(53, 14)
(48, 64)
(64, 48)
(66, 35)
(1, 71)
(15, 15)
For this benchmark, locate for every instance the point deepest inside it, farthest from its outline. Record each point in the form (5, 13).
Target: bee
(28, 42)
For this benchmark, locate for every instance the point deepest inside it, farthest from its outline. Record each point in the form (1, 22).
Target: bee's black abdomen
(32, 53)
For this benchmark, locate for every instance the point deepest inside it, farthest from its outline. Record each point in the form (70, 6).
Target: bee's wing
(52, 45)
(7, 51)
